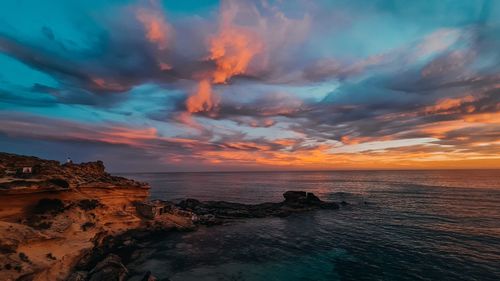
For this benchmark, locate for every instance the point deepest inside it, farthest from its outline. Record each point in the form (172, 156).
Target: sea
(399, 225)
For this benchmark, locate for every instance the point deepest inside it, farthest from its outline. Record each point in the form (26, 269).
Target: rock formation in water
(215, 212)
(76, 222)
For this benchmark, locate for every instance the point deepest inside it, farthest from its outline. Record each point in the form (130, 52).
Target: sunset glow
(253, 85)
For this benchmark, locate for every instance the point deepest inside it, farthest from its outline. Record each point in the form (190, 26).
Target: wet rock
(299, 198)
(149, 277)
(312, 199)
(295, 196)
(78, 276)
(207, 220)
(109, 269)
(189, 204)
(214, 212)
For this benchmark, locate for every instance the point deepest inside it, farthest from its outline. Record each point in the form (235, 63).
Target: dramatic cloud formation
(233, 85)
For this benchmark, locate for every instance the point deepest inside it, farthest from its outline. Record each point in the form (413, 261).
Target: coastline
(73, 221)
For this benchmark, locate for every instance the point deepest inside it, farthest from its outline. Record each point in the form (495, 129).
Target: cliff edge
(52, 215)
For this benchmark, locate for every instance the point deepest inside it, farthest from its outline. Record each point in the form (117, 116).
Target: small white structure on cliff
(27, 170)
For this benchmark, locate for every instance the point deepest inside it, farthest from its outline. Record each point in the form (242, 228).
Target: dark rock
(78, 276)
(295, 196)
(88, 204)
(312, 199)
(149, 277)
(88, 225)
(50, 256)
(214, 212)
(59, 182)
(46, 205)
(109, 269)
(189, 204)
(208, 220)
(24, 257)
(300, 197)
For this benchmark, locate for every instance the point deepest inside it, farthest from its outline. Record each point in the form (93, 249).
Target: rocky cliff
(53, 215)
(48, 175)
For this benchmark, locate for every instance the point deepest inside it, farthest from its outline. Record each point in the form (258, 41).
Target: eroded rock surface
(47, 227)
(49, 175)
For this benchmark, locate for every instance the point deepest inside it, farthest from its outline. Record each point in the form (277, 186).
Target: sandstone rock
(13, 234)
(46, 205)
(89, 204)
(51, 175)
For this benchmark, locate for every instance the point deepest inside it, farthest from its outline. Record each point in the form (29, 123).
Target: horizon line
(312, 171)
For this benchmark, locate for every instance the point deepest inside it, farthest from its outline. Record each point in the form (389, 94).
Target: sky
(203, 85)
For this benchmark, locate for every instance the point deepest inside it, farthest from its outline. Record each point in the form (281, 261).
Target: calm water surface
(418, 225)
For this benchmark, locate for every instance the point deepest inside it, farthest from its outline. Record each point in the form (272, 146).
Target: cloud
(203, 99)
(252, 83)
(157, 29)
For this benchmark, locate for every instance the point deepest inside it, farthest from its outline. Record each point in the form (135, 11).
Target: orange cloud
(233, 47)
(156, 27)
(485, 118)
(203, 99)
(232, 50)
(447, 104)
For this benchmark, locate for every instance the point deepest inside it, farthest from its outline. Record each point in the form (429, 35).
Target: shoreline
(72, 221)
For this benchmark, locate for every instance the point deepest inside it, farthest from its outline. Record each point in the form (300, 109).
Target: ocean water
(416, 225)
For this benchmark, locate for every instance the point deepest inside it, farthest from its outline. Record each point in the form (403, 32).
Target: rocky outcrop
(111, 268)
(214, 212)
(53, 217)
(27, 174)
